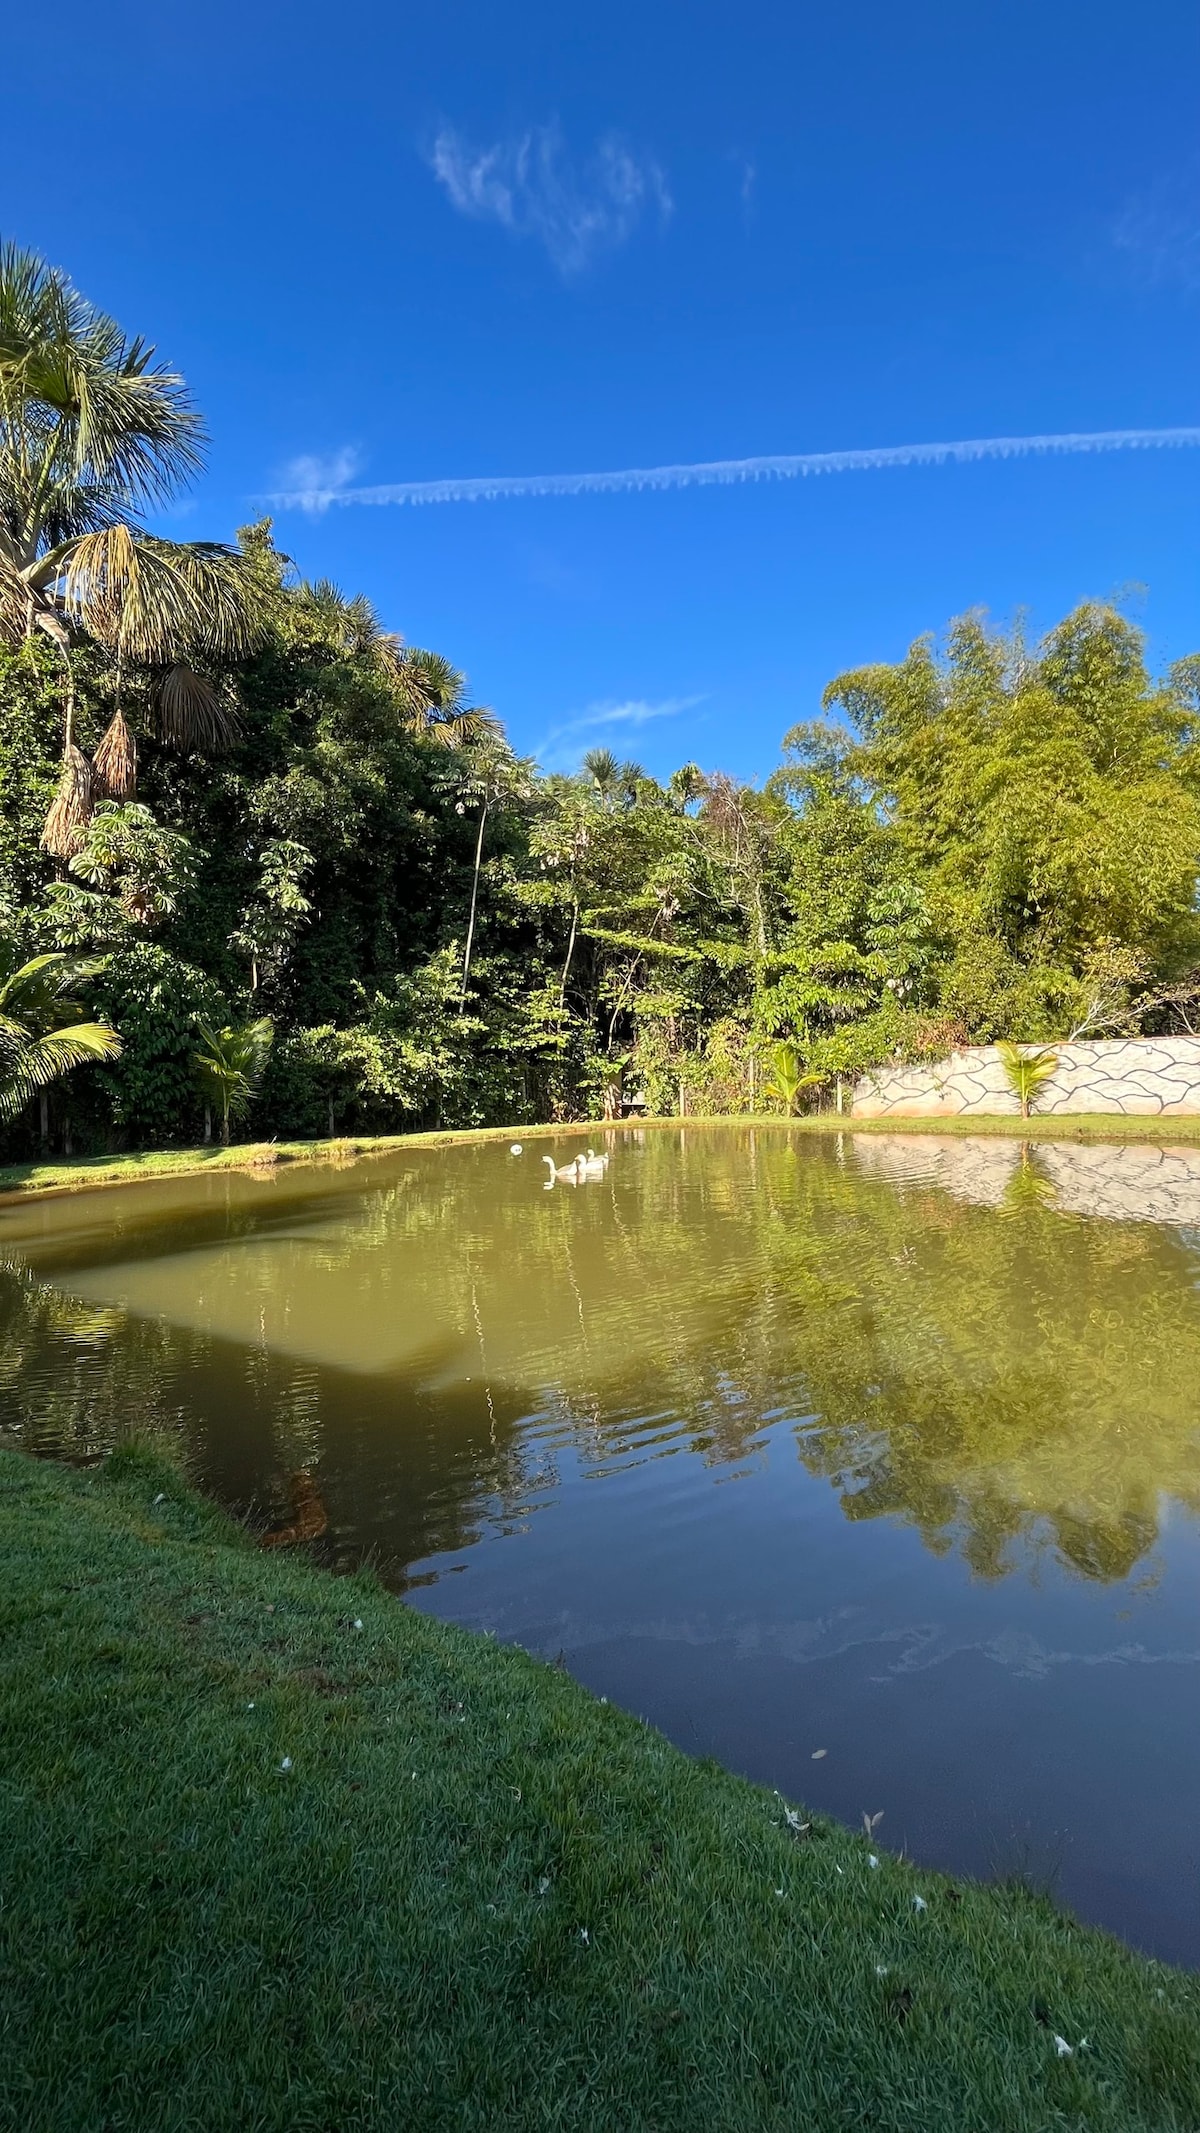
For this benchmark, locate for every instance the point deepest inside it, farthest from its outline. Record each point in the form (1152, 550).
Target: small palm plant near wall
(229, 1066)
(788, 1079)
(1027, 1069)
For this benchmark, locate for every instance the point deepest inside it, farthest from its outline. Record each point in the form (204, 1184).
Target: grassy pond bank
(281, 1853)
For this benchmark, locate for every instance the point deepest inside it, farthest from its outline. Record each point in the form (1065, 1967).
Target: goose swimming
(570, 1172)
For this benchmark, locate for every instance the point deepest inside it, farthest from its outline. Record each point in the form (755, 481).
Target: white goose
(570, 1172)
(593, 1165)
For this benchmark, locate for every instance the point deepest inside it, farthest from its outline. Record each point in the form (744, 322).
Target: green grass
(278, 1852)
(18, 1180)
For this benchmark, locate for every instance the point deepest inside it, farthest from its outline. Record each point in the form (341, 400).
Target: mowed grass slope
(278, 1852)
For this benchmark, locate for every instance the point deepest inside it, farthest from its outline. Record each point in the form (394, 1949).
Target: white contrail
(781, 466)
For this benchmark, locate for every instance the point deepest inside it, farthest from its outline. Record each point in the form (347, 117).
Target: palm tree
(431, 693)
(788, 1078)
(602, 767)
(1026, 1072)
(230, 1065)
(41, 1034)
(93, 432)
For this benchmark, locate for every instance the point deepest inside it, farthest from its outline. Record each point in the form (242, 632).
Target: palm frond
(94, 420)
(71, 809)
(114, 765)
(26, 1068)
(463, 728)
(190, 715)
(154, 602)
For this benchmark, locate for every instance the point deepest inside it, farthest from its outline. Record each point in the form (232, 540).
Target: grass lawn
(278, 1852)
(67, 1174)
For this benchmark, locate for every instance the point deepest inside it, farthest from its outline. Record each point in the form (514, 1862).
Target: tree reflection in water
(961, 1335)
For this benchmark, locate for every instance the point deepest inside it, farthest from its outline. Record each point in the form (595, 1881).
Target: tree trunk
(462, 1001)
(562, 988)
(331, 1118)
(44, 1118)
(225, 1123)
(207, 1125)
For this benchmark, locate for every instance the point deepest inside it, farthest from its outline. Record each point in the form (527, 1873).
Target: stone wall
(1136, 1077)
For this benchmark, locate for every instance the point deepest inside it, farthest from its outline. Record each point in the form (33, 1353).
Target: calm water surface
(884, 1447)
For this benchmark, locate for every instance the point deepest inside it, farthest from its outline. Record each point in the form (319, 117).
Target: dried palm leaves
(71, 812)
(190, 714)
(114, 765)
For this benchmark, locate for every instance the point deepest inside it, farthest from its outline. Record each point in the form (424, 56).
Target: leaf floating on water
(818, 1753)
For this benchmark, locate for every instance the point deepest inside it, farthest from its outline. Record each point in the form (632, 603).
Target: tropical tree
(230, 1064)
(93, 432)
(42, 1033)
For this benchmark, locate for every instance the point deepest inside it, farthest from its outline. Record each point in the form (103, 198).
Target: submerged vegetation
(392, 1873)
(247, 801)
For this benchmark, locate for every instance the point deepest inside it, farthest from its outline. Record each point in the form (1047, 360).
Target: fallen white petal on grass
(871, 1859)
(358, 1621)
(881, 1969)
(919, 1904)
(160, 1498)
(585, 1937)
(1064, 2050)
(780, 1892)
(544, 1885)
(286, 1764)
(791, 1816)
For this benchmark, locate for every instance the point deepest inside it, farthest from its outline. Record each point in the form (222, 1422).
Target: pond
(867, 1464)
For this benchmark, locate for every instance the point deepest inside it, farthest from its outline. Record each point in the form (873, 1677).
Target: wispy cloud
(562, 746)
(1158, 231)
(532, 188)
(314, 482)
(780, 466)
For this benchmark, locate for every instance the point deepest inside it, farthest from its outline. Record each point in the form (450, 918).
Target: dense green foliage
(990, 845)
(287, 814)
(388, 1873)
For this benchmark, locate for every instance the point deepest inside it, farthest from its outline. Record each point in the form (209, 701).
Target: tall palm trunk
(462, 998)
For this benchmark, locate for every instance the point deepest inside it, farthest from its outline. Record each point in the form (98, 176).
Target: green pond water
(870, 1465)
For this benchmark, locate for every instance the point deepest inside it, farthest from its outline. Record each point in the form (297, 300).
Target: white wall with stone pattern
(1135, 1077)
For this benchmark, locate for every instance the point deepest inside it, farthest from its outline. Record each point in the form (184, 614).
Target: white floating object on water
(516, 1149)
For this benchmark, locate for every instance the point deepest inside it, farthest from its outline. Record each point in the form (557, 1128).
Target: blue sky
(388, 244)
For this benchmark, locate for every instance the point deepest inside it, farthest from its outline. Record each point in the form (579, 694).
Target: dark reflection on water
(886, 1446)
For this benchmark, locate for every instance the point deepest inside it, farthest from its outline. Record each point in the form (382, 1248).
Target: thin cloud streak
(783, 466)
(560, 749)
